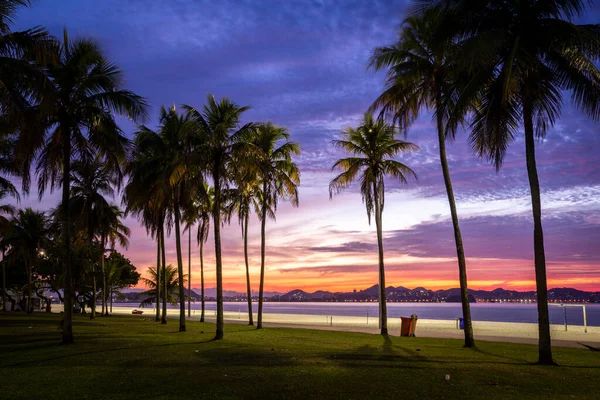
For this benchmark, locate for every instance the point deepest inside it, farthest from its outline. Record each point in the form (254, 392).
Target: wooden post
(584, 319)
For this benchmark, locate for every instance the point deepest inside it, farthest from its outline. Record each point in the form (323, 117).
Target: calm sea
(500, 312)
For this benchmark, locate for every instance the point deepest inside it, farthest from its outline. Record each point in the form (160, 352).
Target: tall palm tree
(22, 56)
(166, 171)
(372, 147)
(279, 177)
(27, 235)
(78, 104)
(200, 212)
(92, 180)
(111, 230)
(218, 125)
(420, 70)
(242, 199)
(522, 56)
(148, 206)
(6, 210)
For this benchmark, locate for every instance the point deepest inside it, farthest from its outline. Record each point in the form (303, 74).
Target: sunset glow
(175, 52)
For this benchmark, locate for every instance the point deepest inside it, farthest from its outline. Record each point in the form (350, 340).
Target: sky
(303, 65)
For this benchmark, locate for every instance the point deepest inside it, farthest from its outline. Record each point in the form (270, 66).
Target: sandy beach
(575, 335)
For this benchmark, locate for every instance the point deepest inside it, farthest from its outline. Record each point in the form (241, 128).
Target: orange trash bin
(408, 325)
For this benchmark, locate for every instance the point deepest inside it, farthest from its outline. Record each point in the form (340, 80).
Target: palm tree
(218, 125)
(6, 210)
(200, 212)
(419, 75)
(172, 279)
(148, 206)
(27, 235)
(279, 177)
(522, 56)
(77, 106)
(92, 180)
(165, 169)
(22, 54)
(372, 147)
(111, 230)
(242, 199)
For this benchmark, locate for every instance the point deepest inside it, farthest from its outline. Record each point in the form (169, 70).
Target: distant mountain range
(402, 294)
(421, 294)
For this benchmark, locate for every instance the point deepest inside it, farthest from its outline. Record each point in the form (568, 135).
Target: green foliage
(372, 147)
(149, 296)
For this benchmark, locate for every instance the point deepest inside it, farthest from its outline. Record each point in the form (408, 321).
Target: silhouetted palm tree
(111, 231)
(420, 70)
(172, 280)
(166, 170)
(219, 137)
(279, 177)
(80, 98)
(200, 211)
(149, 206)
(372, 148)
(522, 57)
(92, 180)
(242, 200)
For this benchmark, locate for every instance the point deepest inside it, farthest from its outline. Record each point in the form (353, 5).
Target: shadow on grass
(87, 353)
(587, 346)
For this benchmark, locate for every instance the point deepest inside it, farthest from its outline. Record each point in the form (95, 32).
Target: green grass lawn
(128, 357)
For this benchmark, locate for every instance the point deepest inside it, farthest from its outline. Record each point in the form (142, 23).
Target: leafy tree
(522, 57)
(120, 274)
(421, 71)
(372, 148)
(279, 177)
(26, 237)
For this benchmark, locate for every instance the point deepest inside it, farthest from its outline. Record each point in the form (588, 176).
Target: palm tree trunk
(94, 288)
(202, 279)
(90, 236)
(67, 331)
(263, 223)
(104, 281)
(157, 318)
(219, 263)
(190, 271)
(460, 252)
(248, 289)
(179, 269)
(544, 344)
(28, 302)
(382, 294)
(4, 280)
(164, 274)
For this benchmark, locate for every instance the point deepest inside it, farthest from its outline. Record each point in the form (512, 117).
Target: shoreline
(516, 332)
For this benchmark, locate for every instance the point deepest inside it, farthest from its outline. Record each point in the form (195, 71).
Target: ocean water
(498, 312)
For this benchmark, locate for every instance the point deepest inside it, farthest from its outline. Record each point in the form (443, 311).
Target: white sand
(483, 330)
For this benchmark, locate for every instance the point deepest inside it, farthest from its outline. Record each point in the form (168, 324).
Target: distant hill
(401, 294)
(398, 294)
